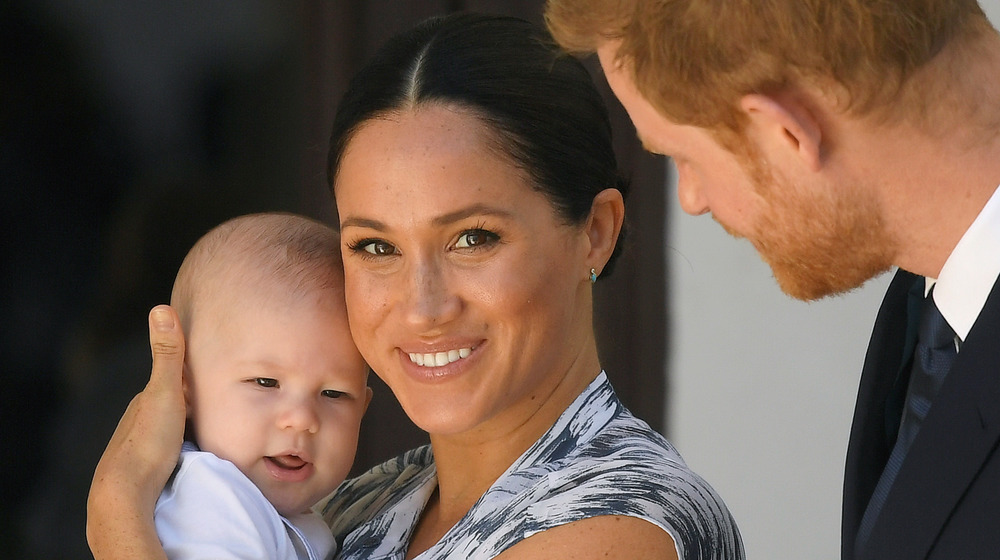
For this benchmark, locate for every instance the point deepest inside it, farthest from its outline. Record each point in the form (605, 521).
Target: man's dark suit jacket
(945, 502)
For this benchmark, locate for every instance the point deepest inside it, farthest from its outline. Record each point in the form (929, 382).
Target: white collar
(970, 271)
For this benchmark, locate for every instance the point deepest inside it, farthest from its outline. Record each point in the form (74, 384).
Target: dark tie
(932, 358)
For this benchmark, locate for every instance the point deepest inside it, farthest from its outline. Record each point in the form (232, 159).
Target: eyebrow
(444, 219)
(362, 223)
(474, 210)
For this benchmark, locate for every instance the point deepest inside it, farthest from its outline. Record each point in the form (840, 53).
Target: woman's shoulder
(633, 446)
(630, 462)
(600, 438)
(629, 469)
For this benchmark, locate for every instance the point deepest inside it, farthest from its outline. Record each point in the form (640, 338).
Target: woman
(479, 200)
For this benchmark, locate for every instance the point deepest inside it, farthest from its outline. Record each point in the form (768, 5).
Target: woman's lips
(445, 362)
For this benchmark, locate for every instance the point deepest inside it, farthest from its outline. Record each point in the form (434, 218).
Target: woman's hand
(141, 454)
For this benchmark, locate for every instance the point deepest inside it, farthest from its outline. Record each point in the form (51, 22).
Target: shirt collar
(968, 275)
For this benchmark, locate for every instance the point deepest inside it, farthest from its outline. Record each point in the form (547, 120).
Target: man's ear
(607, 214)
(783, 122)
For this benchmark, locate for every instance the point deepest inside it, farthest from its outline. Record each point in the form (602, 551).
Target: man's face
(709, 177)
(818, 237)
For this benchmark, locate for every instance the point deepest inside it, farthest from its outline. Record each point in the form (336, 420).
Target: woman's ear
(784, 123)
(607, 214)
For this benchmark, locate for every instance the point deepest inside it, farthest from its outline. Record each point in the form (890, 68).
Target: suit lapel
(955, 439)
(871, 440)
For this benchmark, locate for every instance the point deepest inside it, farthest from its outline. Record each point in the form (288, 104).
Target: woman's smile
(442, 366)
(439, 359)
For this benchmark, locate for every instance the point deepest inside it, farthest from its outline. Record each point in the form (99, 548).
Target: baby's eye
(476, 238)
(266, 382)
(332, 394)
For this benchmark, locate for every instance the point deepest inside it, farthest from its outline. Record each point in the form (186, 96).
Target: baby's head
(273, 380)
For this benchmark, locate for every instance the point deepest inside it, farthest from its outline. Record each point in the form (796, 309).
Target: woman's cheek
(368, 304)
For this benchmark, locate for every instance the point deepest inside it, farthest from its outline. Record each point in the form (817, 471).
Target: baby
(275, 391)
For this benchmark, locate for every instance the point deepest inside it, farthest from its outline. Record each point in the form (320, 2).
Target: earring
(593, 276)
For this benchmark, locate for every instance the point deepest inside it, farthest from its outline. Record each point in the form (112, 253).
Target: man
(843, 138)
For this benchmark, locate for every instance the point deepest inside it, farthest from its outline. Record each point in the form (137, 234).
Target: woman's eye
(266, 382)
(375, 247)
(332, 394)
(475, 238)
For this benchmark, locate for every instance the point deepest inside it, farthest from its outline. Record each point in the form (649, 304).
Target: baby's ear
(189, 410)
(368, 398)
(186, 388)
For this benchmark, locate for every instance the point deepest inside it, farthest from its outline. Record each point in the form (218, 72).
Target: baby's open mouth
(290, 462)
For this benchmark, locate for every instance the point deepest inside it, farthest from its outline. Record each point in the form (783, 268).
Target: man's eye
(475, 238)
(332, 394)
(266, 382)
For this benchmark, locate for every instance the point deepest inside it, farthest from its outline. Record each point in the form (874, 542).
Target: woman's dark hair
(541, 102)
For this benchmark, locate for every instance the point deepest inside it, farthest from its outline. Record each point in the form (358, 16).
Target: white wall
(992, 9)
(763, 387)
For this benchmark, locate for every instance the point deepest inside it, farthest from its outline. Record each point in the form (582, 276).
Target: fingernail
(163, 321)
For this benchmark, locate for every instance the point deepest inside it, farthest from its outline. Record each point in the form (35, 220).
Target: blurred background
(128, 129)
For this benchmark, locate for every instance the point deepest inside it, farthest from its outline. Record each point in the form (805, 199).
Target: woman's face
(466, 292)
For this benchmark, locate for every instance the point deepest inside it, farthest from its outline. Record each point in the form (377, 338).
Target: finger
(166, 340)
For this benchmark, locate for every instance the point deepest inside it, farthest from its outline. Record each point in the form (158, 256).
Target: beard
(819, 240)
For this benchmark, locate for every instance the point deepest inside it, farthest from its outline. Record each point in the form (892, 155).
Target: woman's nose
(431, 299)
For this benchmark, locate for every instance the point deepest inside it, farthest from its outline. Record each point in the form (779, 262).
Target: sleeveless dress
(597, 459)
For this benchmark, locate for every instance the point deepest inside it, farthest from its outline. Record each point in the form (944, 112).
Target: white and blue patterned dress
(597, 459)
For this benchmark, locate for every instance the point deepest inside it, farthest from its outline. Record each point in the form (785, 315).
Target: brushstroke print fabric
(597, 459)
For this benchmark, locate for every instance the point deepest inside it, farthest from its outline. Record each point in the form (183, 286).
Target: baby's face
(279, 390)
